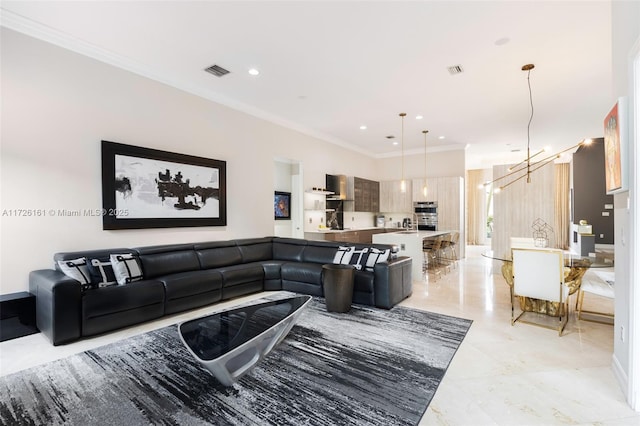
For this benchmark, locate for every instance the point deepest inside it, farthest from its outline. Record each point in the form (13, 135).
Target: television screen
(282, 205)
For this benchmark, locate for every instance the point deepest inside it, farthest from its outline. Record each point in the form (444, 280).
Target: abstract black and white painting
(148, 188)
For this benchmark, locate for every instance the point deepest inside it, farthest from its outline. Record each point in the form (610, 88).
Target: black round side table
(337, 281)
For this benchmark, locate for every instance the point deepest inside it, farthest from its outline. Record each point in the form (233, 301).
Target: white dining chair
(539, 274)
(599, 283)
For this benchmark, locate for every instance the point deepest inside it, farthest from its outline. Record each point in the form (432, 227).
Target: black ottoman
(337, 281)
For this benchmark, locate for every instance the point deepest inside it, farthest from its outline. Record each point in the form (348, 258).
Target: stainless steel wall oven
(427, 215)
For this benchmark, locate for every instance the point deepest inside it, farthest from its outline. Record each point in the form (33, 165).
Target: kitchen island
(410, 244)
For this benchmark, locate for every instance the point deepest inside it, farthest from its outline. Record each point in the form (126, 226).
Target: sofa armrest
(392, 281)
(58, 305)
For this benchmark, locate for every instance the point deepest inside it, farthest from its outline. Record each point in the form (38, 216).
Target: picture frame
(615, 148)
(150, 188)
(282, 205)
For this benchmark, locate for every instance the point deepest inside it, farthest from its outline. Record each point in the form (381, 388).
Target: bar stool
(451, 252)
(443, 258)
(431, 250)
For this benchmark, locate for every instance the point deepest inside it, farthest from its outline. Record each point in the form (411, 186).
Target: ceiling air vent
(456, 69)
(216, 70)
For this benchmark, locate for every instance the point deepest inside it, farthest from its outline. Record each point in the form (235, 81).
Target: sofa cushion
(167, 259)
(109, 308)
(319, 252)
(188, 290)
(239, 274)
(217, 254)
(302, 272)
(239, 280)
(272, 275)
(363, 288)
(255, 249)
(290, 249)
(119, 298)
(189, 283)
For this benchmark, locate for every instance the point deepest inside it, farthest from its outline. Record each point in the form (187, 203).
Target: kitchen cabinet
(448, 192)
(450, 203)
(392, 200)
(432, 189)
(364, 193)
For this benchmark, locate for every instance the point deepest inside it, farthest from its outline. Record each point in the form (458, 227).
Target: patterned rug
(367, 367)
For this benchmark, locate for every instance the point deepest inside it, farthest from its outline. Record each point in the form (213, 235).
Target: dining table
(575, 266)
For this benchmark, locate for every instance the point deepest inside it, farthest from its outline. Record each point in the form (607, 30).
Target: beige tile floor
(521, 374)
(501, 375)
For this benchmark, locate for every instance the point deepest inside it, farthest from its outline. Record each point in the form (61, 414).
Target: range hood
(338, 185)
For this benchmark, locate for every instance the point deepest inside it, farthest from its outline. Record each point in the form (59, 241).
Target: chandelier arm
(514, 181)
(538, 165)
(544, 160)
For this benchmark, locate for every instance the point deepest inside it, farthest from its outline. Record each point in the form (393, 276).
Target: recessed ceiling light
(395, 142)
(440, 137)
(363, 127)
(455, 69)
(254, 71)
(419, 117)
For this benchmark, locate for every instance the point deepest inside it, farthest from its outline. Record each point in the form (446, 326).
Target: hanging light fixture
(403, 184)
(424, 188)
(526, 167)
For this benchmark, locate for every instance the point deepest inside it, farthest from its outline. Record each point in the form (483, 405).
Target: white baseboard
(623, 380)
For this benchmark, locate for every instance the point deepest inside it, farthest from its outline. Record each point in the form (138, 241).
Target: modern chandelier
(526, 167)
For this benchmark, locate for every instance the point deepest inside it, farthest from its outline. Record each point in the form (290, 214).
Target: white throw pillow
(126, 268)
(343, 256)
(377, 256)
(76, 269)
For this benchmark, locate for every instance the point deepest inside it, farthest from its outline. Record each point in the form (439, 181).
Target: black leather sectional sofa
(186, 276)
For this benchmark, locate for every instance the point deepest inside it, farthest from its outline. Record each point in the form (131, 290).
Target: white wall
(439, 163)
(283, 173)
(56, 108)
(626, 358)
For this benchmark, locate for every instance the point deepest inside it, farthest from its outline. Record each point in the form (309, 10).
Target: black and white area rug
(366, 367)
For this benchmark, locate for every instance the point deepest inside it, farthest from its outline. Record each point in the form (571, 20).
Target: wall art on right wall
(615, 148)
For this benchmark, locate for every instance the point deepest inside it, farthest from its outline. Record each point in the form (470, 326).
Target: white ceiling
(328, 67)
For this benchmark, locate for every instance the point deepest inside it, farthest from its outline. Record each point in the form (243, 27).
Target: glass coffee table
(230, 343)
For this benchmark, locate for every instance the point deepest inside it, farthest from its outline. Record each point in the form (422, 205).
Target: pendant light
(526, 166)
(424, 188)
(403, 184)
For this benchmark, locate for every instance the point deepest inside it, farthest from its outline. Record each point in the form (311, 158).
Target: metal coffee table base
(236, 350)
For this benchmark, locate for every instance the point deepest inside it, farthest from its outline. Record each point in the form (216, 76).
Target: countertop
(418, 234)
(337, 231)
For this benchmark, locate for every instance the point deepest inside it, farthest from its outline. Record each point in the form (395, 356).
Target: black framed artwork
(150, 188)
(282, 205)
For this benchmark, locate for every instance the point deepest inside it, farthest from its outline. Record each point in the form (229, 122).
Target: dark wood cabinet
(366, 195)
